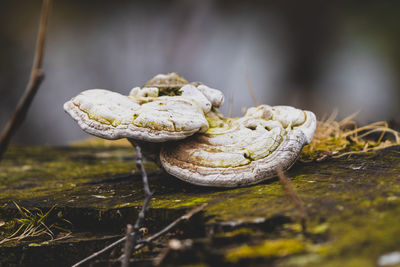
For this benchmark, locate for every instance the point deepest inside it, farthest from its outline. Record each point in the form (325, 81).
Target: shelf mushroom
(204, 148)
(244, 151)
(166, 108)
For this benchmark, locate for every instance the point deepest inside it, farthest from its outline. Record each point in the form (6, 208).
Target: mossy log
(353, 210)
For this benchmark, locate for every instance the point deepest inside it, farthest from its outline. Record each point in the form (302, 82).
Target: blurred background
(315, 55)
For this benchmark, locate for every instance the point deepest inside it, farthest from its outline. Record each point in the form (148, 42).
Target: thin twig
(35, 80)
(96, 254)
(185, 217)
(146, 241)
(142, 213)
(293, 197)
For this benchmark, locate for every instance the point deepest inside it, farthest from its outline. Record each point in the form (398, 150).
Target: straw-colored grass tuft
(340, 138)
(32, 224)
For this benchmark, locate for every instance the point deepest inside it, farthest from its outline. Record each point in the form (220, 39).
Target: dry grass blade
(249, 86)
(293, 197)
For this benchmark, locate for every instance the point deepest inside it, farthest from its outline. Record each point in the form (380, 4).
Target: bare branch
(35, 80)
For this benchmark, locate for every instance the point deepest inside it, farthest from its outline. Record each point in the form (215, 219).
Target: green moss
(361, 235)
(39, 172)
(234, 237)
(241, 232)
(268, 249)
(353, 204)
(178, 202)
(320, 229)
(168, 87)
(247, 204)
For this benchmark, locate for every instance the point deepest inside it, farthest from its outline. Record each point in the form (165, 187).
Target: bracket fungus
(206, 148)
(166, 108)
(244, 151)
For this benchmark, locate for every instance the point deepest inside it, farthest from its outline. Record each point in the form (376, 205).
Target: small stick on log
(293, 197)
(35, 80)
(131, 242)
(146, 241)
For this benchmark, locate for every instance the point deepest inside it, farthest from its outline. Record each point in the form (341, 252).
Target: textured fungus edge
(123, 130)
(255, 172)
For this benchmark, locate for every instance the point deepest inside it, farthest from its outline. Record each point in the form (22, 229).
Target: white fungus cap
(111, 115)
(167, 108)
(239, 152)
